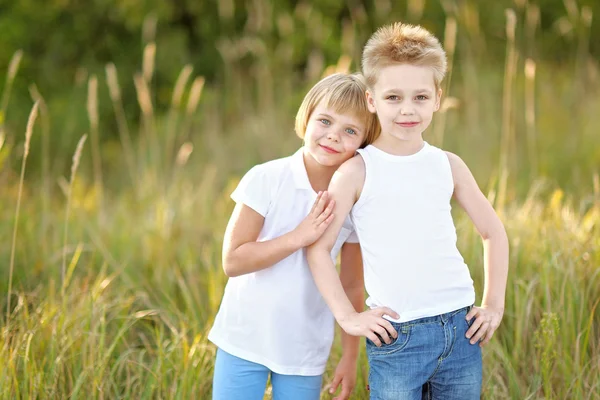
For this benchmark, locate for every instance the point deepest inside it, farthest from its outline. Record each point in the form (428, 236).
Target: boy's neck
(399, 147)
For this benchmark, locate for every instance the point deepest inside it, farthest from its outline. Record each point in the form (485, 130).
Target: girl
(272, 319)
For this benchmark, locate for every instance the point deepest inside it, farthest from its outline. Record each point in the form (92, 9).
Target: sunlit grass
(117, 273)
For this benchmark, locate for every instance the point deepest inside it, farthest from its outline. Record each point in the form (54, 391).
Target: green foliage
(140, 226)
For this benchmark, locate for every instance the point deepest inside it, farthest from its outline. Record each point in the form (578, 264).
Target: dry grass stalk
(148, 61)
(28, 134)
(176, 99)
(92, 109)
(13, 68)
(450, 33)
(74, 167)
(124, 135)
(507, 104)
(530, 114)
(45, 124)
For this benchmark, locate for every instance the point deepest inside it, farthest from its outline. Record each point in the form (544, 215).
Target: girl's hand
(317, 220)
(487, 320)
(345, 374)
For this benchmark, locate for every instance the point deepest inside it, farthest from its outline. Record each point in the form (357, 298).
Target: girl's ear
(370, 102)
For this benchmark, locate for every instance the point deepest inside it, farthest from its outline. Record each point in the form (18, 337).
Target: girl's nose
(334, 135)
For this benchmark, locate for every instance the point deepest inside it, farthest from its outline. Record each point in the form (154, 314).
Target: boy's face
(404, 98)
(332, 138)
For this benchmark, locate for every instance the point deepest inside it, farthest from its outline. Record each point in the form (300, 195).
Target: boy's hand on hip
(371, 324)
(345, 373)
(487, 320)
(317, 220)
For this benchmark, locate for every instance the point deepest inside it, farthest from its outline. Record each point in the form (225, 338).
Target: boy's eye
(325, 121)
(351, 131)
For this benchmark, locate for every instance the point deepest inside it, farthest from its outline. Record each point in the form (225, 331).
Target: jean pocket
(396, 345)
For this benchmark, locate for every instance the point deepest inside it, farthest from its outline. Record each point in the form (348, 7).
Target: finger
(383, 334)
(325, 213)
(474, 327)
(390, 329)
(474, 311)
(488, 336)
(345, 394)
(381, 311)
(480, 332)
(321, 204)
(323, 225)
(373, 338)
(335, 383)
(316, 202)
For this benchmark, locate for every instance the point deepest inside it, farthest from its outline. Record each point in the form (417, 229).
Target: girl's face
(332, 138)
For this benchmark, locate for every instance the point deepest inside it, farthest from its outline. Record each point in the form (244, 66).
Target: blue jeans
(238, 379)
(430, 359)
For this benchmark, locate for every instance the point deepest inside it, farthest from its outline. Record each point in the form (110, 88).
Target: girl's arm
(242, 254)
(351, 276)
(495, 246)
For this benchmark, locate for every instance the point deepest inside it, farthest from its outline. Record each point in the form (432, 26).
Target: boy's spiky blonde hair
(344, 93)
(403, 43)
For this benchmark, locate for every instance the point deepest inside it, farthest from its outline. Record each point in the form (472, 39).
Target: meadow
(110, 249)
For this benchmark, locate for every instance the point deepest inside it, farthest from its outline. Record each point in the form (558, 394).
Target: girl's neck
(399, 147)
(319, 175)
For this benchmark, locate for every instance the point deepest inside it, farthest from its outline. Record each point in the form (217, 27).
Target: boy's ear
(438, 99)
(370, 102)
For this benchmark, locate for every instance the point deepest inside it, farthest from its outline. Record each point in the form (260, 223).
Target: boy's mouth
(329, 149)
(407, 124)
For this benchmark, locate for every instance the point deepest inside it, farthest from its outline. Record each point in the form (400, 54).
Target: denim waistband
(434, 319)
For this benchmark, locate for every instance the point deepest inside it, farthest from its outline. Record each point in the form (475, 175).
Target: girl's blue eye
(325, 121)
(421, 97)
(393, 97)
(351, 131)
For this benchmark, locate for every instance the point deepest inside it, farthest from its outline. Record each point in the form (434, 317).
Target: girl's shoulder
(273, 170)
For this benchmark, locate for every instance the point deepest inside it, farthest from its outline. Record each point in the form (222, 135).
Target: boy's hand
(371, 324)
(317, 220)
(345, 373)
(487, 320)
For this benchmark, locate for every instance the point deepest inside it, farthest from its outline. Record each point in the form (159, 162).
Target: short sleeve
(253, 190)
(353, 238)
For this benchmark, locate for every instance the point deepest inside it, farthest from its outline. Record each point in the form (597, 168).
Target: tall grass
(119, 302)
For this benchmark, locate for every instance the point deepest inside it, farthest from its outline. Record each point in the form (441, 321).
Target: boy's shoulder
(353, 167)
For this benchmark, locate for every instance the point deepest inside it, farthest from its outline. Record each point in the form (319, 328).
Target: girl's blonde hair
(403, 43)
(345, 94)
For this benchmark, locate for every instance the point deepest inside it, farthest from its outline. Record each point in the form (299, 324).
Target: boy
(397, 192)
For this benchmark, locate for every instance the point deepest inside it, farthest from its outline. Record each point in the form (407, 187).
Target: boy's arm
(495, 245)
(351, 276)
(242, 254)
(343, 189)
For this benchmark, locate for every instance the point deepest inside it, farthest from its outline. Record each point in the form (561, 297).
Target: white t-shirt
(276, 317)
(407, 235)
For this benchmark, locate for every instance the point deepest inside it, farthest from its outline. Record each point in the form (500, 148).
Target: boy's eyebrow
(330, 117)
(397, 90)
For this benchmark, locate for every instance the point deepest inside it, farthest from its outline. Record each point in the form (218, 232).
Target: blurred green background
(112, 265)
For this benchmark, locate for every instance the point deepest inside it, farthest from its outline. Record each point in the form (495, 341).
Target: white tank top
(407, 235)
